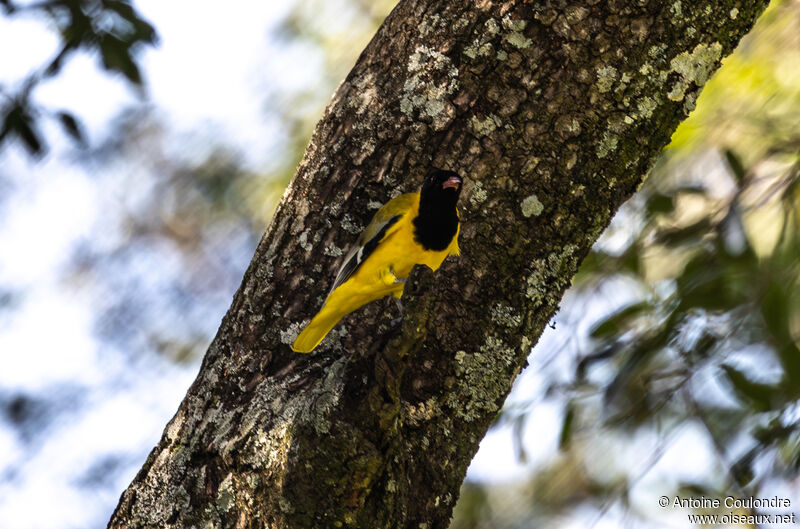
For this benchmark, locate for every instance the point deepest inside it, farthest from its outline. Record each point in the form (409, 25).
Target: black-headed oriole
(411, 229)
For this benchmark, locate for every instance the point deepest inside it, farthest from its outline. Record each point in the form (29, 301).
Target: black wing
(360, 253)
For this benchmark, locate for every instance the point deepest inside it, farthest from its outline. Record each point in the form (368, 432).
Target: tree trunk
(553, 112)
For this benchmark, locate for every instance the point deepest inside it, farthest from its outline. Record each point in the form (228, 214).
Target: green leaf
(762, 397)
(686, 235)
(117, 57)
(742, 469)
(736, 165)
(705, 284)
(77, 28)
(20, 123)
(145, 32)
(518, 429)
(30, 137)
(776, 311)
(71, 127)
(567, 427)
(55, 65)
(660, 204)
(619, 321)
(773, 432)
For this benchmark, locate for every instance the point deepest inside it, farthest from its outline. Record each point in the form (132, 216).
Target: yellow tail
(317, 329)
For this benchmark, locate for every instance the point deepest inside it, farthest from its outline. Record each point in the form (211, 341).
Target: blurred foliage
(112, 29)
(190, 219)
(708, 336)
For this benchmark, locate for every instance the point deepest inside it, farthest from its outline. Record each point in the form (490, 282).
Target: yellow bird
(411, 229)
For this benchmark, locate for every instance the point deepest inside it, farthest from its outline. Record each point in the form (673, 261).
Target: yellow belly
(378, 275)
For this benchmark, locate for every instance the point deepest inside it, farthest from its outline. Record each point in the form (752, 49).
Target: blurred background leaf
(112, 29)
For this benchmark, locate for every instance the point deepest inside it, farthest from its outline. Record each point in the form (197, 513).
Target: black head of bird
(437, 222)
(441, 189)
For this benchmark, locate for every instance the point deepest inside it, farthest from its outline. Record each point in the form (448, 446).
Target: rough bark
(554, 112)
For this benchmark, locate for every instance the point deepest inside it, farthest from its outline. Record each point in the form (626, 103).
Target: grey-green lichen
(318, 412)
(478, 195)
(555, 267)
(646, 106)
(505, 315)
(607, 145)
(459, 24)
(335, 205)
(694, 67)
(484, 50)
(432, 79)
(350, 226)
(676, 9)
(482, 45)
(482, 127)
(364, 94)
(270, 448)
(518, 40)
(285, 505)
(657, 51)
(606, 76)
(531, 206)
(482, 379)
(514, 24)
(304, 244)
(332, 250)
(226, 496)
(288, 336)
(576, 13)
(690, 102)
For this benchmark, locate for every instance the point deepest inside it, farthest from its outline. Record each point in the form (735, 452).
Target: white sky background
(214, 70)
